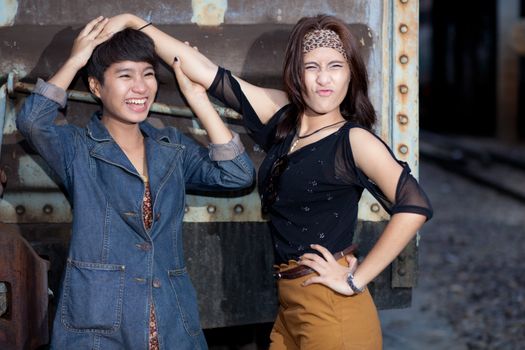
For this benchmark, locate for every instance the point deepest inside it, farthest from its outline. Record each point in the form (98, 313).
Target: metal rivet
(374, 207)
(403, 149)
(403, 89)
(238, 209)
(401, 272)
(47, 209)
(186, 209)
(403, 59)
(211, 209)
(402, 119)
(20, 209)
(403, 29)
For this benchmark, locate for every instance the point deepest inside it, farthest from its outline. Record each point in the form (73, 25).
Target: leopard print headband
(323, 38)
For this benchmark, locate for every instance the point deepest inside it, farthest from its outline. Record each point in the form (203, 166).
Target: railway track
(494, 165)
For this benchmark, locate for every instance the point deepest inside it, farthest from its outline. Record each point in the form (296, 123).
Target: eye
(336, 66)
(126, 76)
(310, 67)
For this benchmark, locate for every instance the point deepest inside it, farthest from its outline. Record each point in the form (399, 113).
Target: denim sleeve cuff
(227, 151)
(51, 92)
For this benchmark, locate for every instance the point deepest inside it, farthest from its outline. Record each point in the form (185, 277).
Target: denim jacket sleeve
(219, 166)
(35, 121)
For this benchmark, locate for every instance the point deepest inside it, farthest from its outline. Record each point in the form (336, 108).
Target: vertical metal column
(404, 113)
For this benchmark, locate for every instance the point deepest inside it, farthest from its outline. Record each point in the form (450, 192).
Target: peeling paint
(8, 10)
(32, 175)
(208, 12)
(19, 69)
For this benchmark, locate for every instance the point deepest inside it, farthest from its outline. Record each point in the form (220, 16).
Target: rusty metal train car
(227, 244)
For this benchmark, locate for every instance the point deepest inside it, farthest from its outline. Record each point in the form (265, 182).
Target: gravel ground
(471, 289)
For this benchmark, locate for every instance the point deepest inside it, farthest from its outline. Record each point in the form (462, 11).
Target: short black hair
(126, 45)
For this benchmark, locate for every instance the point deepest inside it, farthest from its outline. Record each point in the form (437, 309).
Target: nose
(139, 85)
(323, 77)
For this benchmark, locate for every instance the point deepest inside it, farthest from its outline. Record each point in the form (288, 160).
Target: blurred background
(460, 285)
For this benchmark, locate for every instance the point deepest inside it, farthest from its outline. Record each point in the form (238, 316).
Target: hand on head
(118, 23)
(86, 41)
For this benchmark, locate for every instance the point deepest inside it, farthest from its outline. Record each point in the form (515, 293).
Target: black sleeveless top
(319, 186)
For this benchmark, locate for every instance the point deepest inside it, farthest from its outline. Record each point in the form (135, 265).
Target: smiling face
(326, 79)
(127, 93)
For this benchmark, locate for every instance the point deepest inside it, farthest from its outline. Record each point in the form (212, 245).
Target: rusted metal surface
(3, 104)
(24, 324)
(228, 246)
(3, 299)
(49, 12)
(404, 114)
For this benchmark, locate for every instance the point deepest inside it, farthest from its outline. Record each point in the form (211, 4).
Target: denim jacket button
(143, 246)
(157, 217)
(156, 283)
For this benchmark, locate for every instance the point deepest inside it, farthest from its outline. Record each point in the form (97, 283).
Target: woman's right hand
(83, 46)
(86, 41)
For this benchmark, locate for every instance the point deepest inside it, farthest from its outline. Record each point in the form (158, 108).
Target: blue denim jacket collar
(98, 132)
(160, 151)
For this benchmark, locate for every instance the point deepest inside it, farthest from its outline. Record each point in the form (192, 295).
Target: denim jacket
(115, 266)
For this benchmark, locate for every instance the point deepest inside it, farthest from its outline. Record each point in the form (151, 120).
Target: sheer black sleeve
(226, 89)
(409, 197)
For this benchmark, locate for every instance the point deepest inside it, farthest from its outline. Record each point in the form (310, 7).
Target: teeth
(136, 101)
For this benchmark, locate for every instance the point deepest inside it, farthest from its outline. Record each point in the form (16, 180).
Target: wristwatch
(353, 287)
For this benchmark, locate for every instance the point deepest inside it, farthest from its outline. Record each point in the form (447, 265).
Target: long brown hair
(356, 106)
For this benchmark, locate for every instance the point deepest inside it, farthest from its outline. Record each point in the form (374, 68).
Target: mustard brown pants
(317, 318)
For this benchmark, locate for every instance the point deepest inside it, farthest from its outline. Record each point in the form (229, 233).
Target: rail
(13, 85)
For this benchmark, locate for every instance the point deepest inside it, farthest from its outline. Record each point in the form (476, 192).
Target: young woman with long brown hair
(321, 155)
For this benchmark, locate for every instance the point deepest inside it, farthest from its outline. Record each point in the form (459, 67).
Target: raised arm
(35, 120)
(198, 67)
(197, 98)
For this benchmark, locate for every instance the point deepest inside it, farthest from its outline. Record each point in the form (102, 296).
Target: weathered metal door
(228, 247)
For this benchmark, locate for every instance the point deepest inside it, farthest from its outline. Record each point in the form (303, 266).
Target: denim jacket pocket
(92, 297)
(186, 299)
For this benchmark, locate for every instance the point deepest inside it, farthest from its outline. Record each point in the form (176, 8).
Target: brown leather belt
(303, 270)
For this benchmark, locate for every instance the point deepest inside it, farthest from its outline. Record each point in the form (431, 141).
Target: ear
(94, 86)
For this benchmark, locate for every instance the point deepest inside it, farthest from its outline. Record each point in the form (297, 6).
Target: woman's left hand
(120, 22)
(190, 89)
(331, 273)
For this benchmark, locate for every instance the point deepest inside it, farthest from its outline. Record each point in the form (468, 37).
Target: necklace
(316, 131)
(298, 137)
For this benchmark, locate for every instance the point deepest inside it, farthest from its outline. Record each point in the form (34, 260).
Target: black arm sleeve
(226, 89)
(409, 197)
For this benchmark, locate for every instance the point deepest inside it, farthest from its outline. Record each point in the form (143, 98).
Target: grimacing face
(326, 78)
(128, 91)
